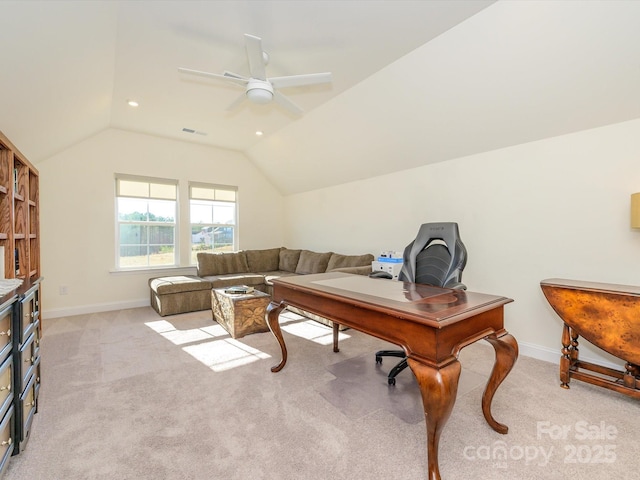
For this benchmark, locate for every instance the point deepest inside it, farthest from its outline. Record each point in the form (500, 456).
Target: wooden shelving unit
(19, 213)
(20, 325)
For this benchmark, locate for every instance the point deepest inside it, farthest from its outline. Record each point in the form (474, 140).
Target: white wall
(553, 208)
(77, 213)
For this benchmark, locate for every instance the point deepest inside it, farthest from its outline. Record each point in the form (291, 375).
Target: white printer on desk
(390, 262)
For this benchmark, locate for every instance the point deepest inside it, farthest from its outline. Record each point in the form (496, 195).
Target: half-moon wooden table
(431, 324)
(608, 316)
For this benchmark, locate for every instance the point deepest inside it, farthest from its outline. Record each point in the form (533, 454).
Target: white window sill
(188, 270)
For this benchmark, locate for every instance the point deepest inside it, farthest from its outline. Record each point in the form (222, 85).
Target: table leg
(336, 333)
(439, 387)
(631, 375)
(565, 359)
(273, 312)
(506, 349)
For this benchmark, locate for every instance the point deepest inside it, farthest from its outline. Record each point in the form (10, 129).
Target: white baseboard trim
(95, 308)
(553, 355)
(541, 353)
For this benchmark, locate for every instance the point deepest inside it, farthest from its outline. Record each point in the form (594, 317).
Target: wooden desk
(606, 315)
(431, 324)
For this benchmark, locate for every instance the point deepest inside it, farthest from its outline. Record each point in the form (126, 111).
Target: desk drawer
(7, 440)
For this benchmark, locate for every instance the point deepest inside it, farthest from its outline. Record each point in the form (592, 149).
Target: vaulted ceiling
(414, 82)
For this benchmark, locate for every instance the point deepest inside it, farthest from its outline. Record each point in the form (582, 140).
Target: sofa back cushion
(288, 260)
(312, 262)
(210, 264)
(343, 261)
(263, 260)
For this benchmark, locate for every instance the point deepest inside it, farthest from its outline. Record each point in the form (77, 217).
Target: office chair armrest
(457, 286)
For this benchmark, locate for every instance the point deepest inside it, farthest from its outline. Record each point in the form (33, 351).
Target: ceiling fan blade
(300, 80)
(234, 75)
(239, 81)
(236, 103)
(255, 55)
(283, 101)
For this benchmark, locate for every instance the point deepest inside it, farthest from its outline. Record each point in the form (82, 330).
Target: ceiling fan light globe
(259, 95)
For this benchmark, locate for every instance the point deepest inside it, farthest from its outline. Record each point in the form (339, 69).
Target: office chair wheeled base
(391, 378)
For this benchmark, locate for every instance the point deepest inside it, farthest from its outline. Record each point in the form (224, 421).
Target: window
(146, 221)
(213, 214)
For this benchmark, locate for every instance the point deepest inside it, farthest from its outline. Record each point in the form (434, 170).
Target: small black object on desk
(380, 274)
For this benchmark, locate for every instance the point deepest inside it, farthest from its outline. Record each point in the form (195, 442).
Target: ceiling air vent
(191, 130)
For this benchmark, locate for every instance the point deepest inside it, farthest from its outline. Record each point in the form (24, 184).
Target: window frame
(234, 226)
(118, 223)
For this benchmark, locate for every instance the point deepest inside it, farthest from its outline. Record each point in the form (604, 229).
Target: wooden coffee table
(240, 314)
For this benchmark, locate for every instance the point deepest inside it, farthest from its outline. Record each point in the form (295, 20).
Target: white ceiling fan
(258, 88)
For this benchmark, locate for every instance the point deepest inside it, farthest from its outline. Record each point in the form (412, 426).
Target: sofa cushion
(312, 262)
(232, 279)
(341, 261)
(263, 260)
(178, 283)
(222, 263)
(288, 260)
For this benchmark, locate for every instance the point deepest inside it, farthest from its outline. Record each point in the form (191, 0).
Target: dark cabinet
(26, 358)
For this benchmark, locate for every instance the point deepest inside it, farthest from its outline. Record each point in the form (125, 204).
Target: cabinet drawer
(7, 434)
(6, 382)
(36, 385)
(29, 355)
(27, 409)
(29, 313)
(6, 317)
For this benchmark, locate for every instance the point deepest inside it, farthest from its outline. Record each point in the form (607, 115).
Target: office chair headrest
(447, 232)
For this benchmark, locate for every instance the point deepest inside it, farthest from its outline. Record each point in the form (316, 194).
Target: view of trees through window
(212, 212)
(146, 222)
(147, 227)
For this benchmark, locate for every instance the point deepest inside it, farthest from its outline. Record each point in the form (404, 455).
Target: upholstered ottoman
(180, 294)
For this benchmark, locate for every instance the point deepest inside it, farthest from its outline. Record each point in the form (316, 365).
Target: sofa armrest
(364, 270)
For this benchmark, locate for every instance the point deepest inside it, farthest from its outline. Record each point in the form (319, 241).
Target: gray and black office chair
(436, 257)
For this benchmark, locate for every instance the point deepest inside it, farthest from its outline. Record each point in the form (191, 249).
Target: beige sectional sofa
(256, 268)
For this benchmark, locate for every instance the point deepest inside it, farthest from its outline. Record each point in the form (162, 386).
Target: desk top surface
(591, 286)
(404, 299)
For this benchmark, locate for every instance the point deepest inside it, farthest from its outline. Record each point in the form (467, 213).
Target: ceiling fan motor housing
(259, 91)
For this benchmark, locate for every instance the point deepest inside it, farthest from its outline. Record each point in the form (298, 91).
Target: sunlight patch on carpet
(220, 355)
(180, 337)
(210, 345)
(313, 331)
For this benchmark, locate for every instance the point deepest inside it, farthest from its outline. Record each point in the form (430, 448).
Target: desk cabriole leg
(439, 388)
(273, 312)
(506, 349)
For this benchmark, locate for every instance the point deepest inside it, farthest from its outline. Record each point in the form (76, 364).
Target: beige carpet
(131, 395)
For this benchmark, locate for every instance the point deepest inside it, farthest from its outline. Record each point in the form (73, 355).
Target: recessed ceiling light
(132, 103)
(259, 133)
